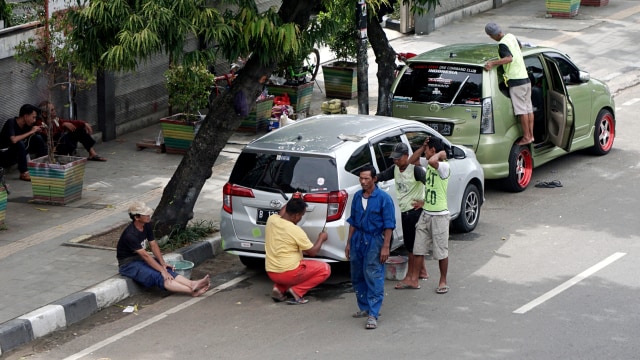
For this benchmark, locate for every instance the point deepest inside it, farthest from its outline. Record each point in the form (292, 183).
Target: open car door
(560, 115)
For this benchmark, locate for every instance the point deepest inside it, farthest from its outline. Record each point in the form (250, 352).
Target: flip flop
(442, 290)
(96, 158)
(360, 314)
(555, 183)
(544, 184)
(403, 286)
(277, 296)
(372, 323)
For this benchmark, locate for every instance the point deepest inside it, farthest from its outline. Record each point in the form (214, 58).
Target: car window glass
(382, 149)
(535, 70)
(416, 138)
(569, 71)
(286, 173)
(359, 158)
(442, 83)
(555, 80)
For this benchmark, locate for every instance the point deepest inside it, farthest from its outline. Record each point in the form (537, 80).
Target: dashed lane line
(569, 283)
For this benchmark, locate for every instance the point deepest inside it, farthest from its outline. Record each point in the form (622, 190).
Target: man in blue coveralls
(371, 224)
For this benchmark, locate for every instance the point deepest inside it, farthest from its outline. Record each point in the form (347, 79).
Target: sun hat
(140, 208)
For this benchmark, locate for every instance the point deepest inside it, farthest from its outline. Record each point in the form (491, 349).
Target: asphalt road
(547, 274)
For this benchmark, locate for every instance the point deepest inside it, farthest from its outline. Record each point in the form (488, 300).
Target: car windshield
(442, 83)
(285, 173)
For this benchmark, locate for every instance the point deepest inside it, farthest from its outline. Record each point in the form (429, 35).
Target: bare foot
(201, 291)
(424, 277)
(524, 141)
(201, 283)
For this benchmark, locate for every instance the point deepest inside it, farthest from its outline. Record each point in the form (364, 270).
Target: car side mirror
(456, 153)
(584, 76)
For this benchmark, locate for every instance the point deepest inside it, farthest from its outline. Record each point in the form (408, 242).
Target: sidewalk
(47, 285)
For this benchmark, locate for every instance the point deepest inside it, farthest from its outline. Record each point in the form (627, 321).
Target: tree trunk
(179, 196)
(386, 60)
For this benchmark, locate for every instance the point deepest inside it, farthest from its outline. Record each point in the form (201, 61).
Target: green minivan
(449, 90)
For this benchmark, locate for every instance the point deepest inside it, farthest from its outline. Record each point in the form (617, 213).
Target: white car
(320, 157)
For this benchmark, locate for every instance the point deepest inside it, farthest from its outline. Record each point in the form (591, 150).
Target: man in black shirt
(18, 138)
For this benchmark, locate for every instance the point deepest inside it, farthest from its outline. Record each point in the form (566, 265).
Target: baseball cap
(140, 208)
(399, 150)
(492, 29)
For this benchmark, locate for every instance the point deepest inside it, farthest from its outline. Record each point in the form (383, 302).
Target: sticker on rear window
(320, 181)
(283, 157)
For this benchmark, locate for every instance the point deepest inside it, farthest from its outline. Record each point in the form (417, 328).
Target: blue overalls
(367, 273)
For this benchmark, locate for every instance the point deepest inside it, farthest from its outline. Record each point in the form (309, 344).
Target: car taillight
(486, 122)
(228, 191)
(336, 202)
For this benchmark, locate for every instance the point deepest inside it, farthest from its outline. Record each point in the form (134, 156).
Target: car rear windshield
(285, 173)
(443, 83)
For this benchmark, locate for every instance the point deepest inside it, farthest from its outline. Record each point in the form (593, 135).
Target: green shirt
(516, 68)
(436, 189)
(408, 188)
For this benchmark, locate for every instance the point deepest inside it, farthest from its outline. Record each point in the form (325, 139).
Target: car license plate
(443, 128)
(263, 215)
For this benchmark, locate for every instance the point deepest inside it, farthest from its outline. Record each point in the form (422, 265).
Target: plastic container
(183, 267)
(396, 268)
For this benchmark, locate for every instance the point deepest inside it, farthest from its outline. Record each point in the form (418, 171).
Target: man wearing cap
(134, 261)
(517, 79)
(409, 182)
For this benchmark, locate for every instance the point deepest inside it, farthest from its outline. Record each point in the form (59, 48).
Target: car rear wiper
(457, 93)
(269, 189)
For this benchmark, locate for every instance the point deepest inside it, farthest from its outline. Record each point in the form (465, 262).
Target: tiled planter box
(340, 80)
(59, 183)
(177, 133)
(300, 96)
(258, 119)
(594, 2)
(3, 205)
(562, 8)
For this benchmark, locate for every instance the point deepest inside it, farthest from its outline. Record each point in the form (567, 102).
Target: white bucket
(182, 267)
(396, 268)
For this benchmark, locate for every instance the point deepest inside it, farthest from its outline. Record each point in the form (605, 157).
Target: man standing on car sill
(516, 76)
(371, 225)
(409, 183)
(433, 225)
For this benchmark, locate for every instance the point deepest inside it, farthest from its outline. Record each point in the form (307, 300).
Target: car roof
(323, 133)
(473, 53)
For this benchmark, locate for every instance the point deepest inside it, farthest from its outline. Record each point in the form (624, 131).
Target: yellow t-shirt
(284, 242)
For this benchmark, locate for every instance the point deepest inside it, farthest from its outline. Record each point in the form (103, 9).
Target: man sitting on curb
(67, 133)
(134, 262)
(18, 138)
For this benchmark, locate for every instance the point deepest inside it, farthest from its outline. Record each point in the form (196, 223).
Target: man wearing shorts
(516, 76)
(433, 225)
(409, 182)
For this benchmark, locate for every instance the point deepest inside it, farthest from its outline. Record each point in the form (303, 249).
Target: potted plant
(340, 76)
(298, 91)
(55, 179)
(189, 88)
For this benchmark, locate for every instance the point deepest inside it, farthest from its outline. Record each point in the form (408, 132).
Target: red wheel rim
(606, 133)
(524, 168)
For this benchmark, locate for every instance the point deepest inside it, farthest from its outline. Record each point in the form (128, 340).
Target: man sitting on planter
(18, 138)
(67, 133)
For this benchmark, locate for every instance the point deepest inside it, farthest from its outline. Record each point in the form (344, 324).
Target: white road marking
(569, 283)
(157, 318)
(631, 102)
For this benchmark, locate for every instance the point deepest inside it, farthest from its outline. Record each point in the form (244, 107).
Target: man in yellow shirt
(285, 245)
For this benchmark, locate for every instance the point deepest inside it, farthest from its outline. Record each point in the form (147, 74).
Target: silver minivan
(320, 157)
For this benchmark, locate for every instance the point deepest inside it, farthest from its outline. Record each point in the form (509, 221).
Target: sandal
(300, 301)
(360, 314)
(96, 158)
(372, 323)
(277, 296)
(25, 176)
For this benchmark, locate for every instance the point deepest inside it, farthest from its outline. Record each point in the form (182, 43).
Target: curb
(79, 306)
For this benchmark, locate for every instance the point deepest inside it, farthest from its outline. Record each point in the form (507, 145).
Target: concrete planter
(341, 80)
(562, 8)
(179, 133)
(59, 183)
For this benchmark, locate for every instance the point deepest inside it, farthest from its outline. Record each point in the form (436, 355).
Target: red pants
(305, 277)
